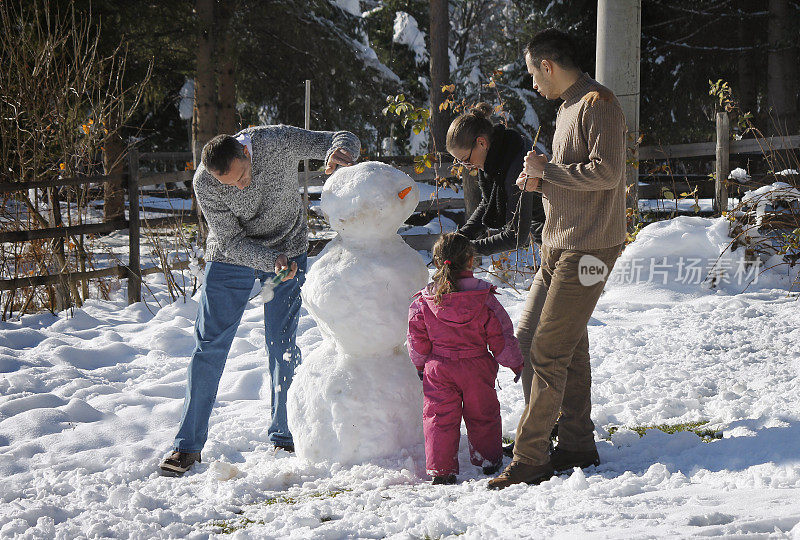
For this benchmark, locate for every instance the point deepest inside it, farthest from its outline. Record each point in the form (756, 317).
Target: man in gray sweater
(247, 189)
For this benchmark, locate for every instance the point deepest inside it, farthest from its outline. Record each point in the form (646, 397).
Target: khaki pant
(553, 331)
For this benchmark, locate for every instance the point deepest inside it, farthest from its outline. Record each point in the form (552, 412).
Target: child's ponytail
(451, 255)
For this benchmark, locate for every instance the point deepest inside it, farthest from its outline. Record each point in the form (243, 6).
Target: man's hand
(526, 183)
(534, 164)
(602, 94)
(339, 158)
(281, 263)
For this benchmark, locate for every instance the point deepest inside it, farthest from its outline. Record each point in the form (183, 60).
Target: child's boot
(444, 480)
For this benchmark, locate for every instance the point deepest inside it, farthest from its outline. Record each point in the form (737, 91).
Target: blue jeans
(223, 299)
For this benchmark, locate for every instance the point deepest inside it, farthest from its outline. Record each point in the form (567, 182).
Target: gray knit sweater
(252, 226)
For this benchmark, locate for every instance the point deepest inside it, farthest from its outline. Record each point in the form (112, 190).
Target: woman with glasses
(498, 154)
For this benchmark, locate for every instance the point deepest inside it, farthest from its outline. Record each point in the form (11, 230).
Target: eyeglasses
(465, 163)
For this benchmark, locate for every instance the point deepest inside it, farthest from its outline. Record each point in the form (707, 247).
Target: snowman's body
(356, 397)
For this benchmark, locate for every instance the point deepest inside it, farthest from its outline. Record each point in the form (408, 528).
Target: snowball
(267, 291)
(577, 480)
(222, 471)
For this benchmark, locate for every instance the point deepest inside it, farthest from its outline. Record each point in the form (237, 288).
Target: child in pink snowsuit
(450, 324)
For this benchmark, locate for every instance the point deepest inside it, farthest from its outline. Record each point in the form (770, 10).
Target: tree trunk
(440, 70)
(204, 125)
(113, 192)
(206, 89)
(782, 66)
(227, 121)
(748, 66)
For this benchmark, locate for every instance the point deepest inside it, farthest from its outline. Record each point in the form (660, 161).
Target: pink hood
(462, 307)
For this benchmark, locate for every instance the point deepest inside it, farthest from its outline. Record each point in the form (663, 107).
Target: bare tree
(57, 94)
(440, 69)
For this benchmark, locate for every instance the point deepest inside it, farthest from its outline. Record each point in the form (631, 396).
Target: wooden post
(134, 264)
(722, 164)
(307, 126)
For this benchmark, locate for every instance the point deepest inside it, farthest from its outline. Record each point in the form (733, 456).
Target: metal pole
(307, 126)
(619, 37)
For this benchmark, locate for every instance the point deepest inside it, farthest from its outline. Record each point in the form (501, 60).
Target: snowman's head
(368, 200)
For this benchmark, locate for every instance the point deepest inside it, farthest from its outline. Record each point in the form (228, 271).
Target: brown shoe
(518, 472)
(564, 460)
(178, 463)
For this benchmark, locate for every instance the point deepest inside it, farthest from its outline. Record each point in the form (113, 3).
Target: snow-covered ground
(89, 404)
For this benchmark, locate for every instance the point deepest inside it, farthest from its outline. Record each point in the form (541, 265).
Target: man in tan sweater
(583, 190)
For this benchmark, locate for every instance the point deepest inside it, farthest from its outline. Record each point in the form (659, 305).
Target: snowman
(356, 397)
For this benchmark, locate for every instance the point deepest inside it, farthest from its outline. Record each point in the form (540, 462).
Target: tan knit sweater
(583, 186)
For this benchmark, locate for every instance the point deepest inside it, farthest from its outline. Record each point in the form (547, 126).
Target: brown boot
(179, 462)
(564, 460)
(518, 472)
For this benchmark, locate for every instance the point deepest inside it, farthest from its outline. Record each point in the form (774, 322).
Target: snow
(356, 397)
(407, 32)
(89, 404)
(370, 58)
(681, 205)
(186, 102)
(427, 191)
(739, 174)
(352, 7)
(417, 143)
(437, 225)
(765, 198)
(770, 192)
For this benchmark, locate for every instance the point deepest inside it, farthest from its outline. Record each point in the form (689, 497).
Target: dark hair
(469, 126)
(553, 45)
(219, 152)
(451, 255)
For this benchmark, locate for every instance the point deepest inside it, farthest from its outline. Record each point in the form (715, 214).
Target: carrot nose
(405, 192)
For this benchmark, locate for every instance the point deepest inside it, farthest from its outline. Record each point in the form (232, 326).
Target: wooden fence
(721, 149)
(133, 181)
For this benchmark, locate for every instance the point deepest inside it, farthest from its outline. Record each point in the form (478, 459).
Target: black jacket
(500, 196)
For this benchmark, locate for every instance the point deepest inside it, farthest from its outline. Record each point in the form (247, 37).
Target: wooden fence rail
(133, 182)
(709, 149)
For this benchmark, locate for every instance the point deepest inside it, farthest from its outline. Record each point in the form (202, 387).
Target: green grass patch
(282, 499)
(706, 434)
(230, 526)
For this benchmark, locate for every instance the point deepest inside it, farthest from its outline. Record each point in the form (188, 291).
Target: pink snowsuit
(449, 341)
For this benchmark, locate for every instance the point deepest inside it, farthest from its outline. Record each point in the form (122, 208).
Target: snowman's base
(351, 410)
